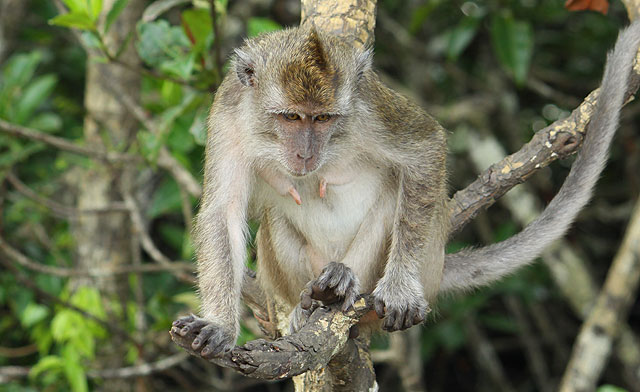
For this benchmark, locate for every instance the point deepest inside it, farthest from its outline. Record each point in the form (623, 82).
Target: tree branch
(312, 347)
(32, 134)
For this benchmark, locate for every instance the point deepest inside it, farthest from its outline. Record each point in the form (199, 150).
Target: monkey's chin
(301, 173)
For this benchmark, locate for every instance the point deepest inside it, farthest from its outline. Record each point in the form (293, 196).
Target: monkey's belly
(326, 225)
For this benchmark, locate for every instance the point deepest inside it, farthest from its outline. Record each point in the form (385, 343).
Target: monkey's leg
(417, 245)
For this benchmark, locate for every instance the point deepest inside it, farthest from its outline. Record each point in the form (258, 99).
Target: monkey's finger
(354, 332)
(345, 285)
(203, 336)
(322, 191)
(295, 195)
(420, 316)
(399, 320)
(409, 316)
(378, 305)
(305, 298)
(194, 326)
(181, 322)
(349, 299)
(390, 320)
(327, 296)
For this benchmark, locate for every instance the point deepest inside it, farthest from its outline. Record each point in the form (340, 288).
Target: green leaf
(149, 145)
(499, 322)
(257, 26)
(160, 42)
(461, 36)
(180, 67)
(88, 299)
(179, 138)
(198, 23)
(165, 199)
(76, 5)
(172, 235)
(91, 39)
(78, 20)
(610, 388)
(113, 13)
(45, 364)
(513, 43)
(34, 94)
(20, 68)
(73, 370)
(64, 325)
(421, 14)
(199, 126)
(159, 7)
(94, 8)
(33, 314)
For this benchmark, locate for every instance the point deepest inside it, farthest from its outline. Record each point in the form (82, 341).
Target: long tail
(476, 267)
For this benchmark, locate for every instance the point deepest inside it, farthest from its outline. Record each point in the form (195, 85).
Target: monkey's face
(303, 138)
(302, 86)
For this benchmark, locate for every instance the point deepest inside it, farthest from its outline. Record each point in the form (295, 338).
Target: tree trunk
(351, 369)
(104, 240)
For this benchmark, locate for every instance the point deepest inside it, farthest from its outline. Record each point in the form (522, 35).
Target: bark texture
(104, 240)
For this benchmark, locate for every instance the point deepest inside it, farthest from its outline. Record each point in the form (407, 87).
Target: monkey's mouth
(302, 167)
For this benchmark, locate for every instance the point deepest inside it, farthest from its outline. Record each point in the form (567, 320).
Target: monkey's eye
(322, 117)
(291, 116)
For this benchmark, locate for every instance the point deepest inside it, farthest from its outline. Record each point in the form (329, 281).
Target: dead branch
(311, 348)
(595, 341)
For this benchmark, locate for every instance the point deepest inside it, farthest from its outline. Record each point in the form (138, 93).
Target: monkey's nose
(304, 156)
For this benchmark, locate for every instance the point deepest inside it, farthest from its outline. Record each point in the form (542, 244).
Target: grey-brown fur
(366, 188)
(477, 267)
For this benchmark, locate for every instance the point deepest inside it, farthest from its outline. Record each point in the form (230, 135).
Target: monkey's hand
(336, 283)
(209, 339)
(402, 306)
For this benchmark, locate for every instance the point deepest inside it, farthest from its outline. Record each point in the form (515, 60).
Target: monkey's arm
(221, 243)
(416, 254)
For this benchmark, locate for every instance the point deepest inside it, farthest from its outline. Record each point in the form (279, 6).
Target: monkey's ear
(364, 61)
(244, 68)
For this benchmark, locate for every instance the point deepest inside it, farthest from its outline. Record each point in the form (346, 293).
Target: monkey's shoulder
(399, 114)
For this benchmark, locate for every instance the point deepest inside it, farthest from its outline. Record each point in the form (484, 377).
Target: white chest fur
(327, 224)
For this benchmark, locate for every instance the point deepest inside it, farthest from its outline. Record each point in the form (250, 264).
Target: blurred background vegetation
(95, 249)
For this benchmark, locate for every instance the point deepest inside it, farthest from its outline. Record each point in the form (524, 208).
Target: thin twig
(11, 372)
(145, 239)
(58, 208)
(63, 272)
(63, 144)
(216, 37)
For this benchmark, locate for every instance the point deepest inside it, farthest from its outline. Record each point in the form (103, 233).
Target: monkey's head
(302, 87)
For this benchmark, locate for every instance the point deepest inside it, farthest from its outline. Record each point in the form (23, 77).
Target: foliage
(461, 50)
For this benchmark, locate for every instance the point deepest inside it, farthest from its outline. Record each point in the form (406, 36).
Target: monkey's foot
(299, 316)
(336, 283)
(399, 312)
(210, 340)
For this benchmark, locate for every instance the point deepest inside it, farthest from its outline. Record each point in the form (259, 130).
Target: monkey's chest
(330, 223)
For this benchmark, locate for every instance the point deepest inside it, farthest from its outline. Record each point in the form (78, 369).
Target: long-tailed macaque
(348, 180)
